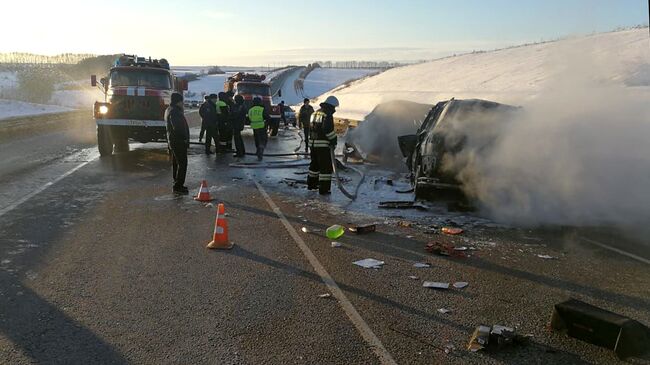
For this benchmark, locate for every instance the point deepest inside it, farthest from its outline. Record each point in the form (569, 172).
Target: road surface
(100, 263)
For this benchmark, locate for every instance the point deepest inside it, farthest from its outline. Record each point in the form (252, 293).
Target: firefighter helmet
(332, 100)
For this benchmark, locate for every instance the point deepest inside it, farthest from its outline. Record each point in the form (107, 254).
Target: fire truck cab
(250, 86)
(136, 93)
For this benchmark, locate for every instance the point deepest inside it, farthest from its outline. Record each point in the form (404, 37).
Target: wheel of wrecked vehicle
(104, 143)
(418, 189)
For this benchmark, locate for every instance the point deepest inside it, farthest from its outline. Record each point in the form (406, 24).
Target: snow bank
(13, 108)
(206, 85)
(511, 76)
(322, 80)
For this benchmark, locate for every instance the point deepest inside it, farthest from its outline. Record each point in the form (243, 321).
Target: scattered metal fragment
(546, 257)
(336, 244)
(422, 265)
(402, 205)
(326, 295)
(444, 310)
(406, 224)
(451, 230)
(435, 285)
(479, 339)
(413, 277)
(460, 248)
(369, 263)
(443, 249)
(460, 284)
(304, 229)
(362, 229)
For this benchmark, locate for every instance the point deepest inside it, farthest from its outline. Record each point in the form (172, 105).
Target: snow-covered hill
(514, 75)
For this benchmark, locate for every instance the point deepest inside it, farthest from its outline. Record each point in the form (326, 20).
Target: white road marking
(614, 249)
(354, 316)
(25, 198)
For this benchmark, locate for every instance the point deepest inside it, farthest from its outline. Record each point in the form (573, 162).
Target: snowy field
(206, 85)
(512, 76)
(13, 108)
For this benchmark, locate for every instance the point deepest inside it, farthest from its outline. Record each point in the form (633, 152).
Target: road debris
(451, 230)
(435, 285)
(402, 205)
(336, 244)
(494, 337)
(444, 310)
(334, 232)
(460, 284)
(369, 263)
(443, 249)
(305, 229)
(363, 229)
(406, 224)
(449, 348)
(600, 327)
(326, 295)
(460, 248)
(413, 277)
(546, 257)
(421, 265)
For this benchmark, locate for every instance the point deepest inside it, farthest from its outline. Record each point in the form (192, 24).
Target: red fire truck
(136, 93)
(250, 86)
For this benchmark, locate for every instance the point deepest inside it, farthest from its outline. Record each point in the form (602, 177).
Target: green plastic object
(335, 232)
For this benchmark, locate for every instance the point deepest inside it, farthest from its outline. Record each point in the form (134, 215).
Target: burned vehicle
(434, 155)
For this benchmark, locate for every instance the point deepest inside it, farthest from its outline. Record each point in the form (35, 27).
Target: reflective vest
(321, 135)
(256, 116)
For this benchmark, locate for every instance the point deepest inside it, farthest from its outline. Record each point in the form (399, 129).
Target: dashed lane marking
(354, 316)
(618, 251)
(25, 198)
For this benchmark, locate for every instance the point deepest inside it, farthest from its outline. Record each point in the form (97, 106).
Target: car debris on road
(363, 229)
(435, 285)
(369, 263)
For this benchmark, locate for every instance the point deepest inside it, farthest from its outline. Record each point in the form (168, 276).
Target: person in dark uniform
(178, 139)
(208, 112)
(202, 113)
(323, 138)
(238, 117)
(258, 118)
(304, 115)
(283, 117)
(223, 124)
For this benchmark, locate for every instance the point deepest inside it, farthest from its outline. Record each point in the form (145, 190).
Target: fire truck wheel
(104, 143)
(121, 143)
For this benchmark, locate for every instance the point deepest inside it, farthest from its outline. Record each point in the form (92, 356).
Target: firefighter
(304, 115)
(178, 139)
(238, 117)
(258, 118)
(223, 124)
(323, 138)
(208, 112)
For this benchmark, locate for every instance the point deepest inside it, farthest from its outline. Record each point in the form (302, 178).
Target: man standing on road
(283, 117)
(223, 124)
(209, 109)
(238, 117)
(203, 114)
(178, 139)
(258, 117)
(304, 115)
(323, 138)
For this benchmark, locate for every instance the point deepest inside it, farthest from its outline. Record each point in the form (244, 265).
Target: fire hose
(338, 180)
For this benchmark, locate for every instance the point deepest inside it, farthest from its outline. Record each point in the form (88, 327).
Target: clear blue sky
(255, 32)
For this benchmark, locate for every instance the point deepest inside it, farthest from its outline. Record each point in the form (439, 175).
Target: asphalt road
(100, 263)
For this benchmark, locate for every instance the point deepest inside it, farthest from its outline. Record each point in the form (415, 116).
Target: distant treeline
(21, 57)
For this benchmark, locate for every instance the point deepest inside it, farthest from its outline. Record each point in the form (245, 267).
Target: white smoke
(578, 154)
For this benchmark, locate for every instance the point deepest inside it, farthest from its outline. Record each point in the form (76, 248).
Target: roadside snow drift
(14, 108)
(511, 76)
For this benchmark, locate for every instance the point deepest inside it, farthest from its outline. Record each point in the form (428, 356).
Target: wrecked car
(433, 154)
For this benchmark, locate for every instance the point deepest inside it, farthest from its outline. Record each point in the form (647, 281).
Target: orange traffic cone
(204, 193)
(220, 236)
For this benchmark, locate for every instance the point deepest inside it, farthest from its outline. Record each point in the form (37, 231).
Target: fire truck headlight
(103, 109)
